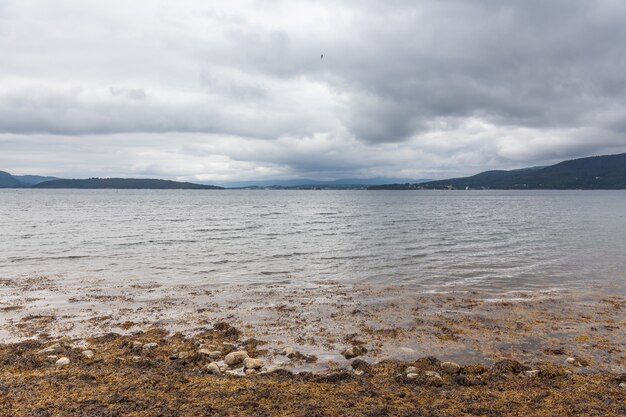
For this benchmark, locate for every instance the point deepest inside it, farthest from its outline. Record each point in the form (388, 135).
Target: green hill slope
(125, 183)
(9, 181)
(597, 172)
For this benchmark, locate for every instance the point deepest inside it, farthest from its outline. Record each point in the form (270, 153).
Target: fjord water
(434, 240)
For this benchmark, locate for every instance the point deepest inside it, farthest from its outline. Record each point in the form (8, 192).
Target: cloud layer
(214, 92)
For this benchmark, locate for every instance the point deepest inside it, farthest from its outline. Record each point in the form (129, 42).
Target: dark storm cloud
(404, 86)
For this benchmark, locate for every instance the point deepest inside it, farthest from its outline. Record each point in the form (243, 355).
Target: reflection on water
(491, 240)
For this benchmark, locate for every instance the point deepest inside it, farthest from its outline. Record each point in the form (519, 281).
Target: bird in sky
(322, 57)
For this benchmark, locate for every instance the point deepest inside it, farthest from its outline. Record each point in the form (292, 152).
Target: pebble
(289, 351)
(411, 370)
(451, 367)
(231, 372)
(250, 371)
(532, 374)
(213, 368)
(88, 353)
(622, 385)
(354, 351)
(234, 358)
(576, 362)
(412, 375)
(137, 344)
(56, 348)
(215, 354)
(149, 346)
(432, 374)
(62, 362)
(205, 352)
(250, 363)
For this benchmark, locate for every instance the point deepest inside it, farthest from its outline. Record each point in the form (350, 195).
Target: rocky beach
(329, 349)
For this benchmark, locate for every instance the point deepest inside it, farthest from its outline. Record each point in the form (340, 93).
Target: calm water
(493, 240)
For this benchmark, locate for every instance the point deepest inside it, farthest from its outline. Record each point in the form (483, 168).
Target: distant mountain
(9, 181)
(34, 179)
(309, 183)
(596, 172)
(125, 183)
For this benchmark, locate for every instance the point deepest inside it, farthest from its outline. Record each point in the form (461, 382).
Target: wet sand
(497, 339)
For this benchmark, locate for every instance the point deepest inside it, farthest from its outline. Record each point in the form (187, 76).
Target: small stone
(136, 358)
(432, 374)
(52, 358)
(206, 352)
(228, 347)
(149, 346)
(289, 352)
(451, 367)
(235, 358)
(62, 361)
(411, 370)
(183, 355)
(354, 351)
(622, 385)
(358, 372)
(412, 375)
(88, 353)
(213, 368)
(250, 363)
(231, 372)
(531, 374)
(576, 361)
(273, 368)
(56, 348)
(215, 354)
(137, 345)
(250, 371)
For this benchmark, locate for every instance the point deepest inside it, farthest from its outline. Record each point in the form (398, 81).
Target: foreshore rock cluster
(217, 372)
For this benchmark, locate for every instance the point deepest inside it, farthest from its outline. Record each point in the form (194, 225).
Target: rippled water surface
(491, 240)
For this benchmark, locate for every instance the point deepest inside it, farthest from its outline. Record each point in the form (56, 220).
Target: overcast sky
(237, 90)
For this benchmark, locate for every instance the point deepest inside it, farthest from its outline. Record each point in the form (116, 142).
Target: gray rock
(411, 370)
(137, 344)
(215, 354)
(213, 368)
(451, 367)
(289, 352)
(250, 371)
(622, 385)
(231, 372)
(205, 352)
(150, 346)
(412, 375)
(62, 361)
(354, 351)
(432, 374)
(576, 361)
(251, 363)
(531, 374)
(235, 358)
(88, 353)
(56, 348)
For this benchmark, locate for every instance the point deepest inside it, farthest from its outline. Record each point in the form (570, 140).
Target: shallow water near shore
(489, 241)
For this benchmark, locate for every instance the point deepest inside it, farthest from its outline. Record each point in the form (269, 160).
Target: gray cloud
(429, 88)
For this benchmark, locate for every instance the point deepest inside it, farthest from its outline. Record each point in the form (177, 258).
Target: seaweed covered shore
(328, 350)
(156, 373)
